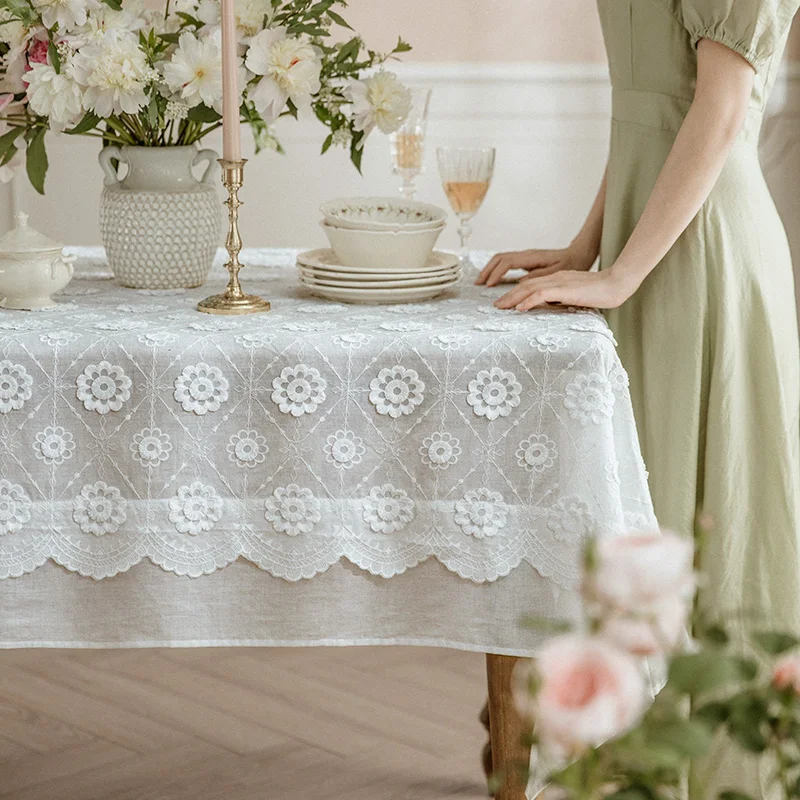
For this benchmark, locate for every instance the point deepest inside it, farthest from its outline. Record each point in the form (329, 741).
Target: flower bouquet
(596, 732)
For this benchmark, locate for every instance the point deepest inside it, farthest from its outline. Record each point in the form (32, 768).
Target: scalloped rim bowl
(382, 214)
(408, 250)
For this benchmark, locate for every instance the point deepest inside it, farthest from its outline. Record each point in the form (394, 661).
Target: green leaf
(89, 122)
(402, 47)
(326, 145)
(7, 139)
(53, 55)
(714, 634)
(775, 644)
(339, 20)
(36, 160)
(203, 114)
(115, 4)
(701, 672)
(687, 738)
(730, 795)
(9, 154)
(713, 714)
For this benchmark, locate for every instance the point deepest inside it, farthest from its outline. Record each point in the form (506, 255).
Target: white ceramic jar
(32, 268)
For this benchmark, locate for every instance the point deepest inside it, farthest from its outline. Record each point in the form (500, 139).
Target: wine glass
(408, 143)
(466, 174)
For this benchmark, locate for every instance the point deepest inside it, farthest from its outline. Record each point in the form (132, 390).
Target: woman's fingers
(491, 267)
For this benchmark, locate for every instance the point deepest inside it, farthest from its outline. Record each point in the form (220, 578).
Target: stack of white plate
(381, 252)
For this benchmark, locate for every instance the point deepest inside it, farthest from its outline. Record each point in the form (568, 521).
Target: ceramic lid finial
(21, 219)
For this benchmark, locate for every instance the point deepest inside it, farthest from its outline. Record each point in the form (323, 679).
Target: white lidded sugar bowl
(32, 268)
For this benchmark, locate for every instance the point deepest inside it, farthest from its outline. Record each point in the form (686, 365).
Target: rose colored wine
(466, 197)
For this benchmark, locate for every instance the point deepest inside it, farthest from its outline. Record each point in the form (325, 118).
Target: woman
(697, 277)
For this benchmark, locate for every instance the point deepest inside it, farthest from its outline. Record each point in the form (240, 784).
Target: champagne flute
(466, 175)
(408, 143)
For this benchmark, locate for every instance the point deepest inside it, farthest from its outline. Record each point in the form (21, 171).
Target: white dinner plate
(324, 280)
(378, 296)
(326, 259)
(329, 274)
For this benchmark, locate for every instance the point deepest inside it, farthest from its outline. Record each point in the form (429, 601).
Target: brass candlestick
(233, 300)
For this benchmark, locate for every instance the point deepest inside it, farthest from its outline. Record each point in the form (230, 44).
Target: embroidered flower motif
(396, 391)
(500, 325)
(15, 386)
(216, 326)
(151, 447)
(151, 308)
(388, 509)
(157, 339)
(298, 390)
(589, 398)
(99, 509)
(59, 338)
(570, 521)
(123, 325)
(255, 340)
(482, 513)
(201, 389)
(549, 342)
(344, 449)
(405, 326)
(309, 326)
(494, 393)
(15, 507)
(450, 341)
(103, 387)
(195, 509)
(352, 341)
(247, 449)
(292, 510)
(54, 445)
(618, 379)
(536, 453)
(440, 450)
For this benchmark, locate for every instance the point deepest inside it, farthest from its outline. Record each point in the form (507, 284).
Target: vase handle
(107, 154)
(211, 157)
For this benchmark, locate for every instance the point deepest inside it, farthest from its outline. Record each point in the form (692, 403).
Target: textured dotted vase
(160, 225)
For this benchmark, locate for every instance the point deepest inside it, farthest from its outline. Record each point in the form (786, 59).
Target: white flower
(388, 509)
(176, 111)
(292, 510)
(102, 19)
(249, 14)
(253, 341)
(195, 509)
(494, 393)
(396, 391)
(201, 389)
(54, 95)
(450, 341)
(59, 338)
(15, 386)
(440, 450)
(247, 449)
(114, 73)
(589, 398)
(380, 100)
(290, 68)
(344, 449)
(99, 509)
(536, 453)
(15, 507)
(195, 70)
(352, 341)
(549, 342)
(67, 14)
(298, 390)
(103, 387)
(54, 445)
(342, 137)
(570, 521)
(12, 31)
(151, 447)
(481, 513)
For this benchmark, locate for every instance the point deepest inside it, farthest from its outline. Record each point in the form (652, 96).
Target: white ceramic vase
(160, 224)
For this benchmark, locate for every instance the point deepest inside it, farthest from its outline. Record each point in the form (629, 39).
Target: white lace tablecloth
(330, 446)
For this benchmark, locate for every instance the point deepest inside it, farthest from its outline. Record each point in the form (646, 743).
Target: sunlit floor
(355, 723)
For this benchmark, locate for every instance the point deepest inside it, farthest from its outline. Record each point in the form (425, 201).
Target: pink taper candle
(231, 138)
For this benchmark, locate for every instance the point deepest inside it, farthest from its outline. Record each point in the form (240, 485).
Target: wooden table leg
(506, 729)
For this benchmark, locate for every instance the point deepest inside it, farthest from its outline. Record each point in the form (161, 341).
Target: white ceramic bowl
(382, 214)
(408, 250)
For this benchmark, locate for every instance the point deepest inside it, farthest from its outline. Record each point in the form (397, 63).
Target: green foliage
(36, 158)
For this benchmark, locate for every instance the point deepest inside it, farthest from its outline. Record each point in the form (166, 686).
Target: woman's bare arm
(700, 150)
(580, 255)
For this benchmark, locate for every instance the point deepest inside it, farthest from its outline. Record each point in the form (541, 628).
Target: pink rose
(37, 52)
(588, 692)
(641, 589)
(786, 674)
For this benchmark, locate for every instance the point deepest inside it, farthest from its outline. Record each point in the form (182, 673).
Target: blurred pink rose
(589, 692)
(642, 589)
(786, 674)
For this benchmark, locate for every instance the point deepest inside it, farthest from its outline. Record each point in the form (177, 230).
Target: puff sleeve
(753, 28)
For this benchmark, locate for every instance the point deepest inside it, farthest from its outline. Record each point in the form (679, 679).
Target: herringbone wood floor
(350, 724)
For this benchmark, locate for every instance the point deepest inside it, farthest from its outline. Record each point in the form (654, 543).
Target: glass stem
(464, 233)
(409, 187)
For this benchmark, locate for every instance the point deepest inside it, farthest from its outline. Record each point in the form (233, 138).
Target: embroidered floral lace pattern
(132, 427)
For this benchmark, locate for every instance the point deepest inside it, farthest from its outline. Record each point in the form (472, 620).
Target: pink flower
(786, 674)
(641, 590)
(37, 52)
(589, 692)
(5, 99)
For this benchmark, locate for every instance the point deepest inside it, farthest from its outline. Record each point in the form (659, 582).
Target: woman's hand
(605, 289)
(542, 262)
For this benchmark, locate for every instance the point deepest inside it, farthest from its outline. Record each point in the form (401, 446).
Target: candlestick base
(233, 301)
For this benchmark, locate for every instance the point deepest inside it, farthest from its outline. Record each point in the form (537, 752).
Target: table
(324, 474)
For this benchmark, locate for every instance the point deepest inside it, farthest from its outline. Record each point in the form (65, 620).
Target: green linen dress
(710, 340)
